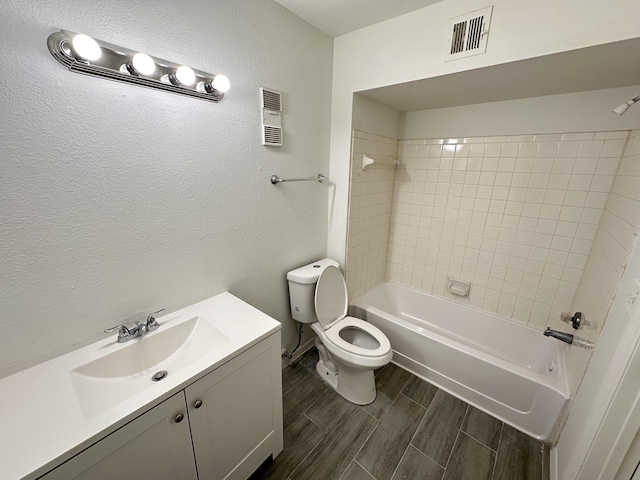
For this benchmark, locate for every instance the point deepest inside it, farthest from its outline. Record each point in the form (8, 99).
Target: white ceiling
(336, 17)
(593, 68)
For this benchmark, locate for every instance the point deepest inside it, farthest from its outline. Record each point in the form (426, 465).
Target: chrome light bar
(82, 54)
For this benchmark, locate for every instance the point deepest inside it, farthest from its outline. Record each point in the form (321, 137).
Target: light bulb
(185, 75)
(143, 64)
(221, 83)
(86, 47)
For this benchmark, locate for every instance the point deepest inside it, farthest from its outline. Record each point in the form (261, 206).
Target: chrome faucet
(125, 334)
(562, 336)
(568, 338)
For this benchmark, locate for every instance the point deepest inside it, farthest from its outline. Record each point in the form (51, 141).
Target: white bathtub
(507, 369)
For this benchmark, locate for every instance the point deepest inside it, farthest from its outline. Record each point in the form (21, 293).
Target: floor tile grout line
(417, 429)
(316, 401)
(480, 441)
(433, 460)
(457, 436)
(365, 442)
(360, 465)
(318, 426)
(413, 401)
(324, 435)
(401, 458)
(424, 415)
(495, 461)
(294, 385)
(379, 421)
(361, 407)
(419, 404)
(306, 456)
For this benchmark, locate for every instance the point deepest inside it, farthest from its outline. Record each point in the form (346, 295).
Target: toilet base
(357, 386)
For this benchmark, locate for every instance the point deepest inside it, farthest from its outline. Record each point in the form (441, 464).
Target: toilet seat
(333, 335)
(331, 310)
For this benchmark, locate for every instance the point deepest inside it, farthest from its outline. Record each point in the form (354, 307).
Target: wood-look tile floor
(412, 431)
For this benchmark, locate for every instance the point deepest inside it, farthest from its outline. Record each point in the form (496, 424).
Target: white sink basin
(108, 380)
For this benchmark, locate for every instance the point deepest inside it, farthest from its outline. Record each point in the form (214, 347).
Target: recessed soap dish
(458, 287)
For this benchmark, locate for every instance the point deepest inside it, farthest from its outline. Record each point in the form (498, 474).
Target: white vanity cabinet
(154, 445)
(222, 426)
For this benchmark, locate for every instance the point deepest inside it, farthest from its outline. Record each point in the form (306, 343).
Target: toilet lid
(331, 296)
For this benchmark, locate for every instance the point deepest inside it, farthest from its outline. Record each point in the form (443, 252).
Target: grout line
(401, 458)
(361, 408)
(316, 400)
(364, 443)
(307, 456)
(294, 385)
(318, 426)
(368, 472)
(413, 401)
(495, 461)
(457, 436)
(310, 451)
(480, 441)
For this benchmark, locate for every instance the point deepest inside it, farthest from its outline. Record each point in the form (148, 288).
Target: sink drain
(159, 375)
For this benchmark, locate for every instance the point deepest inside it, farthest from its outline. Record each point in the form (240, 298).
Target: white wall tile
(517, 216)
(548, 149)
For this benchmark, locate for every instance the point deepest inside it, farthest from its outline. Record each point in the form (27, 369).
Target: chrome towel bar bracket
(275, 179)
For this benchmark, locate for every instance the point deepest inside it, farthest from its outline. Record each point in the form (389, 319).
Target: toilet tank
(302, 289)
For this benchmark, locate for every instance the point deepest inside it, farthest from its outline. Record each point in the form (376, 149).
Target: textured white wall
(116, 200)
(373, 117)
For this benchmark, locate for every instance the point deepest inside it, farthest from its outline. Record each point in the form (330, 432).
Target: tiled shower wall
(515, 216)
(614, 239)
(369, 213)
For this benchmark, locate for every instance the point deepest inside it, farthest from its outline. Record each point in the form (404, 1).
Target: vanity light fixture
(141, 64)
(82, 54)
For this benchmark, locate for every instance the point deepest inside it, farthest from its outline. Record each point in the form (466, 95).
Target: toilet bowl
(349, 348)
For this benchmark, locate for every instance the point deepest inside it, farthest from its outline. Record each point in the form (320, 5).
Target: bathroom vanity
(96, 413)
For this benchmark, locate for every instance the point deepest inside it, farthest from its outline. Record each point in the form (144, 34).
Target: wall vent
(469, 34)
(271, 104)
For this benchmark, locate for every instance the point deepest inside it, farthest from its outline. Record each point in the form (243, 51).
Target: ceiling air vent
(271, 103)
(469, 34)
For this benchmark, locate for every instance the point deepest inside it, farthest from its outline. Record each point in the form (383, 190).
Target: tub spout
(564, 337)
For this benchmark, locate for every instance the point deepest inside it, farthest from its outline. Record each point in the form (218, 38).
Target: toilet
(350, 349)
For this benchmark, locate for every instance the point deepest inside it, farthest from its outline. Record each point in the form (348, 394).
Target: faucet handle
(152, 324)
(123, 331)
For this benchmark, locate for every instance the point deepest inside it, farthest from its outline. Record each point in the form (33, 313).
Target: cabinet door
(239, 422)
(153, 446)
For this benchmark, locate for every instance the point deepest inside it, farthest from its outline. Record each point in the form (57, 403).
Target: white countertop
(42, 421)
